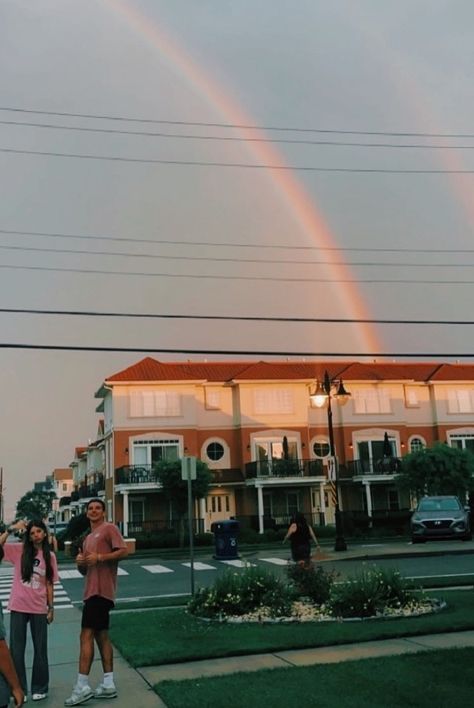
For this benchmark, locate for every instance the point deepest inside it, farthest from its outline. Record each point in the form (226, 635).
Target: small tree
(35, 505)
(175, 488)
(437, 470)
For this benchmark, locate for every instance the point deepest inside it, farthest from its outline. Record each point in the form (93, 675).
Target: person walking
(98, 560)
(300, 535)
(31, 601)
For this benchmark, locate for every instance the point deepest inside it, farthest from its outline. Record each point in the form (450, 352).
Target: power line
(235, 165)
(230, 318)
(238, 126)
(232, 138)
(196, 276)
(218, 259)
(179, 242)
(236, 352)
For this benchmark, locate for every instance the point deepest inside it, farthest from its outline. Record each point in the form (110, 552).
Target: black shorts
(95, 613)
(301, 552)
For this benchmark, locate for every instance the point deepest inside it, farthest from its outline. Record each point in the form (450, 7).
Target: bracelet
(50, 607)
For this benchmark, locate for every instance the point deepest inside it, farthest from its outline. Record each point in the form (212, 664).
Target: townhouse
(267, 445)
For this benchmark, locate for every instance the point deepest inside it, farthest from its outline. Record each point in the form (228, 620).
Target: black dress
(300, 544)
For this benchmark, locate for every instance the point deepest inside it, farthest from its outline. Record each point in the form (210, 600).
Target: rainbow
(302, 208)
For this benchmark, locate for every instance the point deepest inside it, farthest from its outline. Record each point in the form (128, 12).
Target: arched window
(417, 444)
(321, 447)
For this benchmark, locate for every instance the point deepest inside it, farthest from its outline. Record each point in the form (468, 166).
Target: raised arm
(313, 536)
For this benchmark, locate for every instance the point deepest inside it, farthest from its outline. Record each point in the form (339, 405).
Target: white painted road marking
(200, 566)
(157, 569)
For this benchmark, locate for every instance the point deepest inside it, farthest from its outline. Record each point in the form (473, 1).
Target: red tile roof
(454, 372)
(150, 369)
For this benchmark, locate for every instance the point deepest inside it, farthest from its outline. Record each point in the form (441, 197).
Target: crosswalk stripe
(157, 569)
(275, 561)
(67, 574)
(200, 566)
(237, 563)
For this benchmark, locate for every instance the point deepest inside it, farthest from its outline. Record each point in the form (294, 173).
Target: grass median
(156, 636)
(424, 680)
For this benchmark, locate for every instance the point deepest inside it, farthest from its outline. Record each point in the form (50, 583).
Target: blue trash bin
(225, 539)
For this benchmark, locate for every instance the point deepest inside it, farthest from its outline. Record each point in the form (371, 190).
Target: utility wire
(196, 276)
(236, 352)
(231, 138)
(178, 242)
(218, 259)
(239, 126)
(235, 165)
(230, 318)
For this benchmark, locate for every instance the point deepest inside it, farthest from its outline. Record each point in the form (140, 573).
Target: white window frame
(373, 400)
(270, 401)
(148, 403)
(460, 401)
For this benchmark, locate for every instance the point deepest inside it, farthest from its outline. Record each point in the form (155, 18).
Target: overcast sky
(381, 76)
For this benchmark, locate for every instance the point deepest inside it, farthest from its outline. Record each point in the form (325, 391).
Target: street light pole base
(340, 544)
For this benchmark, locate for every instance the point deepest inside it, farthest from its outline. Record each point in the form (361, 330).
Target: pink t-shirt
(29, 597)
(101, 579)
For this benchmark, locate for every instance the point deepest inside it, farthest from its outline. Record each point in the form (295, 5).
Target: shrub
(249, 536)
(239, 593)
(204, 539)
(159, 539)
(311, 581)
(368, 593)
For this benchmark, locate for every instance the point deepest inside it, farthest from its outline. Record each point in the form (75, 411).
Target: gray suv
(440, 517)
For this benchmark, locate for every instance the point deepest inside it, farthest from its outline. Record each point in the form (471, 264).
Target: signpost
(188, 473)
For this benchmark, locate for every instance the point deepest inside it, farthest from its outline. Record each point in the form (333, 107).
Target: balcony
(136, 474)
(285, 468)
(361, 468)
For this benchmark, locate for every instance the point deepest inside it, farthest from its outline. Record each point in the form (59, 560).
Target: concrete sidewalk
(63, 641)
(306, 657)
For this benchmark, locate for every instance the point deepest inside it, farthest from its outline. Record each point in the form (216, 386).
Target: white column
(125, 513)
(322, 501)
(260, 509)
(202, 513)
(368, 497)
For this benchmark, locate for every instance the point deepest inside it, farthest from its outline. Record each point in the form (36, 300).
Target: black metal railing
(135, 474)
(285, 468)
(383, 465)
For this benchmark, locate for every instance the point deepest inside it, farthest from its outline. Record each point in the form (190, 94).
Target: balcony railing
(383, 465)
(285, 468)
(135, 474)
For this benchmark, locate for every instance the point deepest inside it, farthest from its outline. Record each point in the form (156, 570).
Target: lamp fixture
(325, 391)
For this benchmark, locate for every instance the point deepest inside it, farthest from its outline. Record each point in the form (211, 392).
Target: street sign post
(188, 473)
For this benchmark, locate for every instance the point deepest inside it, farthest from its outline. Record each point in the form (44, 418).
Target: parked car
(440, 517)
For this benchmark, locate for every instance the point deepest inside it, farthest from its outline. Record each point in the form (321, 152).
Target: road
(154, 576)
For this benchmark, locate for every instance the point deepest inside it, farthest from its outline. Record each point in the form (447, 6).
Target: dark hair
(29, 552)
(299, 520)
(97, 501)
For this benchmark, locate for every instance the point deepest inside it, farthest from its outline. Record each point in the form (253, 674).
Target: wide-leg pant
(39, 636)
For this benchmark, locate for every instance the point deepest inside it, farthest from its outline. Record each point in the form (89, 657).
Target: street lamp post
(325, 391)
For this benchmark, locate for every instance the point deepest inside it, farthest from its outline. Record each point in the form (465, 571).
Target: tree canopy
(176, 489)
(437, 470)
(35, 505)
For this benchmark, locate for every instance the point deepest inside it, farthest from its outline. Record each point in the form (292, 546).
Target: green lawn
(426, 680)
(171, 635)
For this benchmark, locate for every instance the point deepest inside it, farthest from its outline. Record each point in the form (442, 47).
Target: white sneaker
(79, 696)
(105, 692)
(39, 696)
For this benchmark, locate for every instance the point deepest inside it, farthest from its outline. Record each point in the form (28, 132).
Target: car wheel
(417, 539)
(468, 537)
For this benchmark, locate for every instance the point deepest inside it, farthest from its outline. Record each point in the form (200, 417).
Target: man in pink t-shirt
(102, 549)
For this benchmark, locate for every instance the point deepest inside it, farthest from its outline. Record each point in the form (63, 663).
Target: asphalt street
(156, 576)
